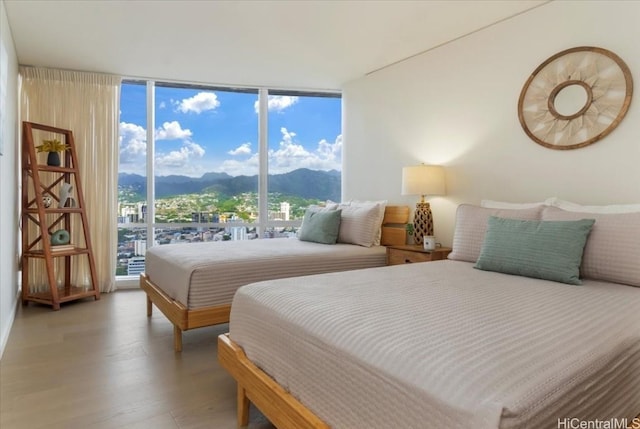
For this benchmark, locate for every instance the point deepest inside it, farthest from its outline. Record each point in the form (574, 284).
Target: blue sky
(200, 131)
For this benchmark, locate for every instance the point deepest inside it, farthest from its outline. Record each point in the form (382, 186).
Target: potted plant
(409, 228)
(53, 147)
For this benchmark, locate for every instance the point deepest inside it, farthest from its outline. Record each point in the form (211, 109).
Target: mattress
(443, 345)
(208, 274)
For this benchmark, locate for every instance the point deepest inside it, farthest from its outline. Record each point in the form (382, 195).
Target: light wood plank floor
(103, 364)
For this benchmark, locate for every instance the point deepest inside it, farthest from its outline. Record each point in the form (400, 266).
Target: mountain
(304, 183)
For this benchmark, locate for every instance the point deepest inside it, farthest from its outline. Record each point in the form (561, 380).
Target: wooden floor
(104, 364)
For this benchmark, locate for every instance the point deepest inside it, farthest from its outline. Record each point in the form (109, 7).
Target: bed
(193, 284)
(455, 343)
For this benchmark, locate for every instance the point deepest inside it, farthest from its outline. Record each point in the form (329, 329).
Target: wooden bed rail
(282, 409)
(180, 316)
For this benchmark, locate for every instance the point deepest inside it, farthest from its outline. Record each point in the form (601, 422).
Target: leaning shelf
(50, 218)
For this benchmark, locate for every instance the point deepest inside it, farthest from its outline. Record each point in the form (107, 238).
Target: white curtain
(87, 104)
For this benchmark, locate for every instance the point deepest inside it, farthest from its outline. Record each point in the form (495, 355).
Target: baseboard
(7, 325)
(129, 282)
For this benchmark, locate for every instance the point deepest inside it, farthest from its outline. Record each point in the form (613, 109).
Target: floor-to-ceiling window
(304, 152)
(221, 164)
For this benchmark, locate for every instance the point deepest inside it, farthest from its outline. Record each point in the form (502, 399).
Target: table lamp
(423, 180)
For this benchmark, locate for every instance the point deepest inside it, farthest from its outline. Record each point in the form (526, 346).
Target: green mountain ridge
(303, 183)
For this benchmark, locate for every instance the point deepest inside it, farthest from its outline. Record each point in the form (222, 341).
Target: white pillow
(382, 205)
(573, 207)
(471, 226)
(612, 252)
(360, 223)
(490, 204)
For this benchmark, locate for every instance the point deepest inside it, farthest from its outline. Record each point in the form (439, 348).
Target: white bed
(214, 271)
(193, 284)
(443, 344)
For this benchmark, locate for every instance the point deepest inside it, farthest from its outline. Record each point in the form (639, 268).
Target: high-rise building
(135, 265)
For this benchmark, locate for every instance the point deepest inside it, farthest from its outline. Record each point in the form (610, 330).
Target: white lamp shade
(423, 180)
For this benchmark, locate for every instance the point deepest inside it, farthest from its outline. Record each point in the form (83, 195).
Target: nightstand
(410, 253)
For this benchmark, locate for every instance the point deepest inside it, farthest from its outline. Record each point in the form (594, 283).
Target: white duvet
(208, 274)
(443, 345)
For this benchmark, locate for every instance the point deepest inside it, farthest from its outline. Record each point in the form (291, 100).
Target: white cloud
(277, 103)
(133, 151)
(162, 105)
(133, 148)
(243, 149)
(291, 155)
(182, 161)
(247, 167)
(172, 131)
(199, 103)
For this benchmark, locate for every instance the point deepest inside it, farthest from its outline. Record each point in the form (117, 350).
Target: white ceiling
(311, 44)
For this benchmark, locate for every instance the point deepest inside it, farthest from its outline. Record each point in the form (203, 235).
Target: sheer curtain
(87, 104)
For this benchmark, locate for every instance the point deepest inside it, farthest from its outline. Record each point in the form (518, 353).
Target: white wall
(457, 106)
(8, 183)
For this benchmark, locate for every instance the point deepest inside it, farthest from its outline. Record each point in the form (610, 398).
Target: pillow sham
(490, 204)
(611, 209)
(612, 252)
(320, 226)
(382, 204)
(471, 225)
(549, 250)
(360, 223)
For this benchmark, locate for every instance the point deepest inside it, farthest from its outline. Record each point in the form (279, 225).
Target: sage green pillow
(320, 227)
(550, 250)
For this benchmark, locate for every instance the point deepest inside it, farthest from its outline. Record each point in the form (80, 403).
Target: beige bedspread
(208, 274)
(443, 345)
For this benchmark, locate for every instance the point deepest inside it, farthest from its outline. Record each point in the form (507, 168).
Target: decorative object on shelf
(66, 200)
(63, 248)
(47, 200)
(53, 147)
(60, 236)
(53, 159)
(575, 98)
(423, 180)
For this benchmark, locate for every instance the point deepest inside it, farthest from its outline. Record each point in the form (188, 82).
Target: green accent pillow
(550, 250)
(320, 227)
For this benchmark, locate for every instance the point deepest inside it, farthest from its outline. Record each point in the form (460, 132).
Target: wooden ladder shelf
(44, 213)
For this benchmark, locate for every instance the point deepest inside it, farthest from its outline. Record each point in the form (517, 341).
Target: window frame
(263, 223)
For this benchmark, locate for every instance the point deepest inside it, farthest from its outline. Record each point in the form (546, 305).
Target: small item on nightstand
(429, 242)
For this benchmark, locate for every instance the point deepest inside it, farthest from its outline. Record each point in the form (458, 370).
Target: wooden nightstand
(410, 253)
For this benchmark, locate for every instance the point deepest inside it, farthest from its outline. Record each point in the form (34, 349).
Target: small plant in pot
(53, 148)
(410, 230)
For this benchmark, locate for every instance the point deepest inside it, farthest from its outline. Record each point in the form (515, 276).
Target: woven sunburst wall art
(575, 98)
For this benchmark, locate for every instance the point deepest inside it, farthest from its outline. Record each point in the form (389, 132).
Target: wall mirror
(575, 98)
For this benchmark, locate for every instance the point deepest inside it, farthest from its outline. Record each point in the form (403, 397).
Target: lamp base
(422, 222)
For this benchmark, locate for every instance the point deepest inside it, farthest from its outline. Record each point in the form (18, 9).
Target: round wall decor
(575, 98)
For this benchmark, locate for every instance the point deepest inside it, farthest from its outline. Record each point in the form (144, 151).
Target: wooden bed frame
(281, 408)
(183, 319)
